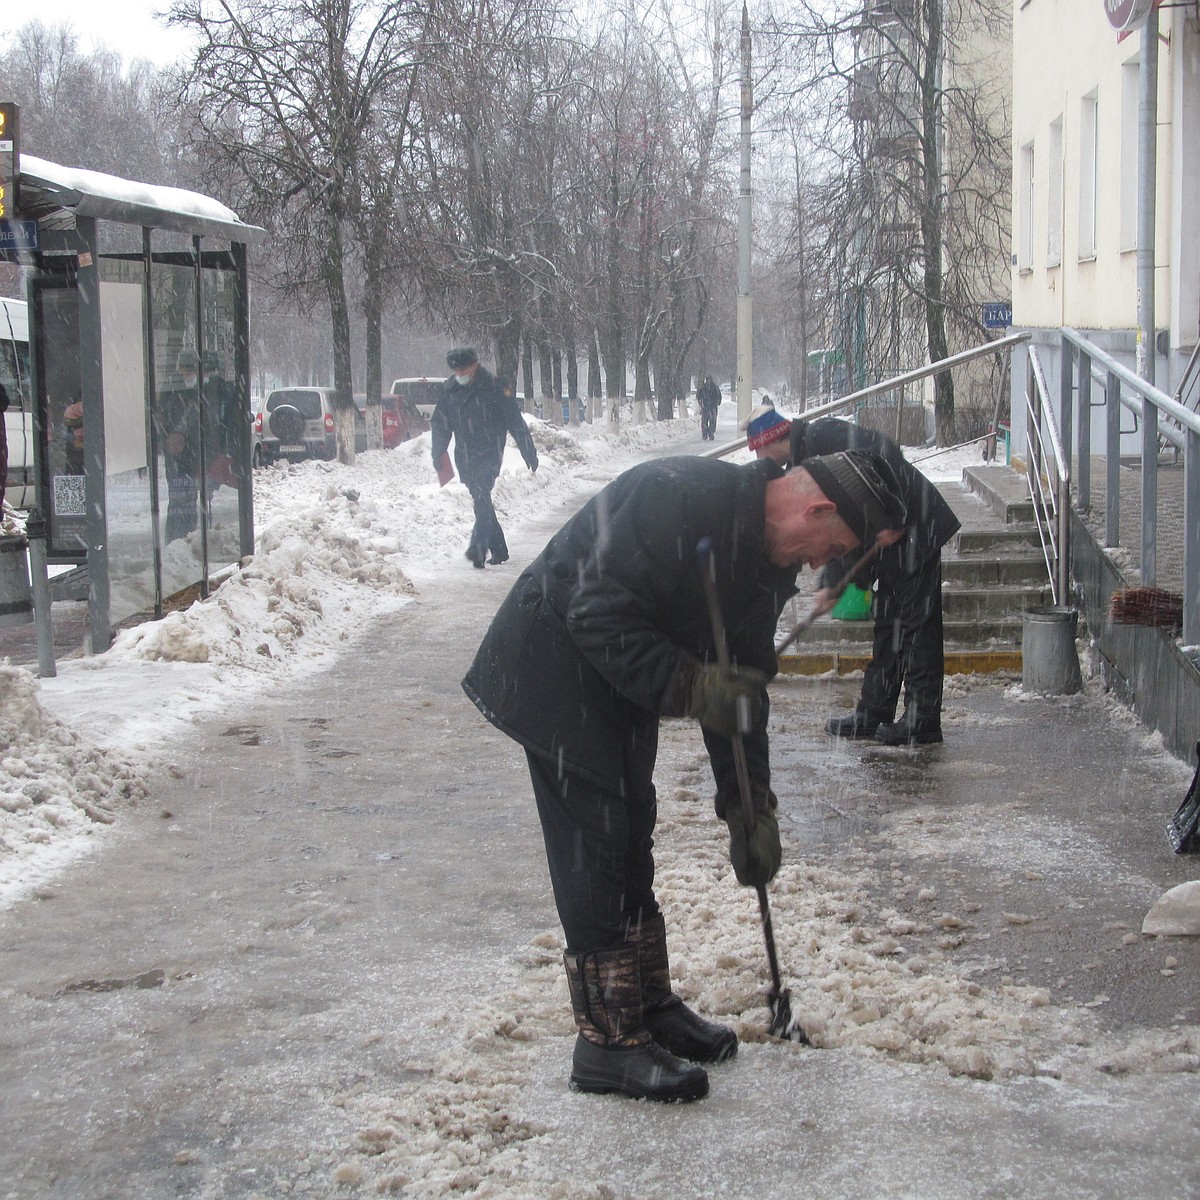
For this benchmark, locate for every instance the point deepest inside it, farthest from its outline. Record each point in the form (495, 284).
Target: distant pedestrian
(477, 412)
(908, 651)
(708, 396)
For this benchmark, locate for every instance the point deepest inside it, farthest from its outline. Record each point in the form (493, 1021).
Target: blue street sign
(997, 316)
(18, 235)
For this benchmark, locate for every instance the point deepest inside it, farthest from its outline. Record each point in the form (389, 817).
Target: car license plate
(292, 449)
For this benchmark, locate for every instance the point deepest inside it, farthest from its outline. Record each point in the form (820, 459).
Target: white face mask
(461, 380)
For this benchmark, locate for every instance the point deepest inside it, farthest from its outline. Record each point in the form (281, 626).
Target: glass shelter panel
(177, 424)
(56, 325)
(127, 507)
(225, 415)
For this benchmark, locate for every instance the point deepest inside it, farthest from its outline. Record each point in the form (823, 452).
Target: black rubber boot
(857, 724)
(614, 1052)
(906, 732)
(671, 1023)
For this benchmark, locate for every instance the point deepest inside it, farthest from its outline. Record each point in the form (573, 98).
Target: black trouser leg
(487, 534)
(599, 846)
(908, 650)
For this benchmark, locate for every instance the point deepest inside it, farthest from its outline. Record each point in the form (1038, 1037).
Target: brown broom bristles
(1147, 606)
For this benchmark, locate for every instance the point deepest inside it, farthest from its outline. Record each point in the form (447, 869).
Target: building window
(1054, 194)
(1088, 177)
(1129, 154)
(1025, 210)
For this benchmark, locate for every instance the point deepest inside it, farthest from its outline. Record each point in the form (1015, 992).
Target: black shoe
(902, 733)
(646, 1072)
(687, 1035)
(497, 559)
(853, 725)
(476, 557)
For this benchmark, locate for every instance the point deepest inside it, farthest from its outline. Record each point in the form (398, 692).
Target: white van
(18, 419)
(422, 390)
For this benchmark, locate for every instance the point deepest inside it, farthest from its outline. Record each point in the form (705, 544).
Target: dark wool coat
(931, 521)
(478, 416)
(578, 662)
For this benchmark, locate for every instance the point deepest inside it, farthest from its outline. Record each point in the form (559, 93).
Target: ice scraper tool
(783, 1024)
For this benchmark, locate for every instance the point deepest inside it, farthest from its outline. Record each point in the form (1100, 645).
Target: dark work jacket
(478, 416)
(578, 662)
(931, 521)
(709, 395)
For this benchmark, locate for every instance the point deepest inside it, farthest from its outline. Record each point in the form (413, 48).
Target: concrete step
(967, 632)
(959, 661)
(997, 601)
(1004, 491)
(992, 569)
(1003, 539)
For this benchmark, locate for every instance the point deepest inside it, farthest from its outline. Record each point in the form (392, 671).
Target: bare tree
(283, 91)
(924, 168)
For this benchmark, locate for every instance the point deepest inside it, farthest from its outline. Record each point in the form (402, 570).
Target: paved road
(323, 960)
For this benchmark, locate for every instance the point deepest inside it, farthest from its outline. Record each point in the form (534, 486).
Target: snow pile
(55, 786)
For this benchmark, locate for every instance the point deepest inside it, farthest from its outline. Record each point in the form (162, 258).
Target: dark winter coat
(931, 521)
(478, 416)
(579, 661)
(709, 394)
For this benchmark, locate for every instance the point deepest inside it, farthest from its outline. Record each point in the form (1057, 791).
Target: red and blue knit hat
(766, 426)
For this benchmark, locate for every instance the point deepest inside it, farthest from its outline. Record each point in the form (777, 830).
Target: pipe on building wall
(1147, 193)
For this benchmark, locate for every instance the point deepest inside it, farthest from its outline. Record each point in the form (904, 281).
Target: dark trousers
(708, 422)
(487, 534)
(908, 649)
(600, 848)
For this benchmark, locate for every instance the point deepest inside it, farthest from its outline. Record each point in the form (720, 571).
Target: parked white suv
(296, 423)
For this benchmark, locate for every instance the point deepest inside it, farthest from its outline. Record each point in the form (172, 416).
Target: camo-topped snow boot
(614, 1051)
(671, 1023)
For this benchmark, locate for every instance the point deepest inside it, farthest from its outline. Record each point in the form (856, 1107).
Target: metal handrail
(888, 385)
(1051, 494)
(1155, 408)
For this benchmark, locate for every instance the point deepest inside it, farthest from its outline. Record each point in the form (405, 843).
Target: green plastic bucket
(854, 605)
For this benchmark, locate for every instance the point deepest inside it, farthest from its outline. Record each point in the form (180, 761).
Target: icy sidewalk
(322, 959)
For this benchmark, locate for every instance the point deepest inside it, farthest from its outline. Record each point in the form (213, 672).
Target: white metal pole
(745, 303)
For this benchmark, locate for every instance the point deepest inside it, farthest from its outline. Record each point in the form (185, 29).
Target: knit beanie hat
(766, 426)
(461, 357)
(864, 489)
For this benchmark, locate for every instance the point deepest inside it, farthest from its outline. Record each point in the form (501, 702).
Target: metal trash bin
(1049, 660)
(16, 596)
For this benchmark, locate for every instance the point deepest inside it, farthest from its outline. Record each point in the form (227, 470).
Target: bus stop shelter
(139, 364)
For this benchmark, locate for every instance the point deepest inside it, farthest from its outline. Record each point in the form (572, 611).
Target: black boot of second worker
(857, 724)
(910, 732)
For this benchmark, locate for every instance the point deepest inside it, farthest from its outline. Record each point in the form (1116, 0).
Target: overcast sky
(127, 26)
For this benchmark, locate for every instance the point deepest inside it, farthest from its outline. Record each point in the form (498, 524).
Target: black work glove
(755, 852)
(726, 700)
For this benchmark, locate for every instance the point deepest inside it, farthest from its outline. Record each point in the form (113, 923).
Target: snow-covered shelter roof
(48, 188)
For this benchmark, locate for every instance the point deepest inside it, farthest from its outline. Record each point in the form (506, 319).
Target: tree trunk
(527, 375)
(339, 313)
(373, 317)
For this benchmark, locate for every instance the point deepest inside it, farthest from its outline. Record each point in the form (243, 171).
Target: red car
(401, 419)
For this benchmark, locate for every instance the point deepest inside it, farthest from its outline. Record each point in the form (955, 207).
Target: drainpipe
(1147, 170)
